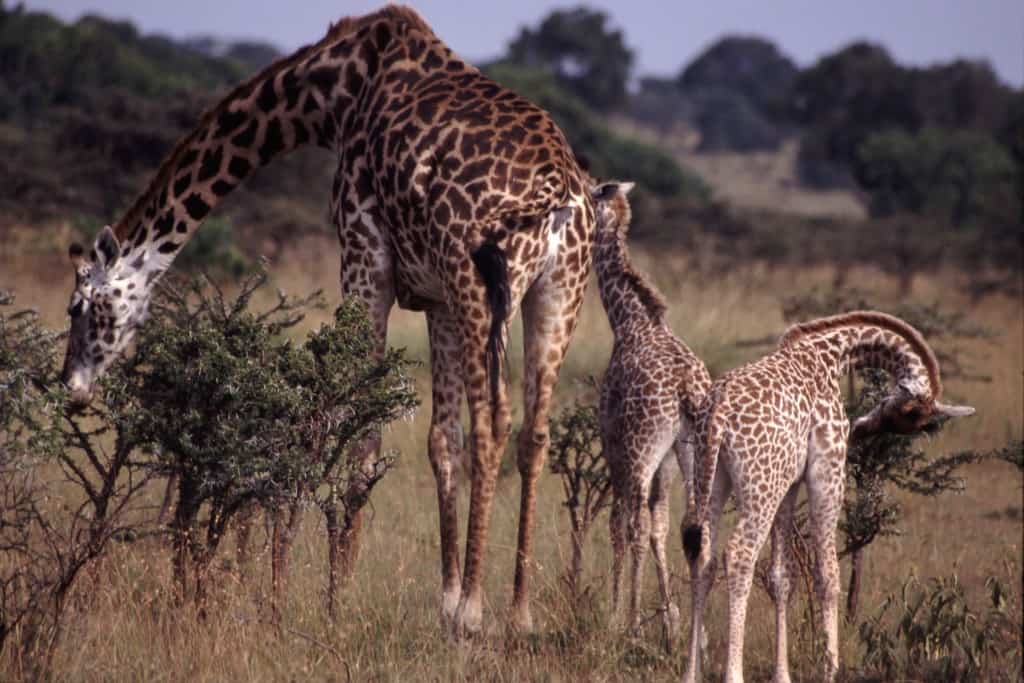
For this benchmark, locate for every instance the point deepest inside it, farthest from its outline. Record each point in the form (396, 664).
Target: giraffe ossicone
(446, 190)
(775, 424)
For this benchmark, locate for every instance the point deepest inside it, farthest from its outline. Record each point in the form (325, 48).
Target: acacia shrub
(240, 416)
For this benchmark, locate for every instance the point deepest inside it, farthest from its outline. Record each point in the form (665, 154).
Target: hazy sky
(664, 35)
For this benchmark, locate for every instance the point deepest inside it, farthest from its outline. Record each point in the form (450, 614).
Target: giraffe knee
(532, 443)
(826, 582)
(779, 583)
(447, 458)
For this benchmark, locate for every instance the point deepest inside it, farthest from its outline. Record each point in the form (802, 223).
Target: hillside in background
(855, 156)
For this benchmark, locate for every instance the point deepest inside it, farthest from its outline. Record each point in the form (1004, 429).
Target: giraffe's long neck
(626, 294)
(307, 97)
(866, 345)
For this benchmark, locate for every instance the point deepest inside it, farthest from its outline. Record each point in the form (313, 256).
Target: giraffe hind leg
(549, 316)
(825, 482)
(781, 578)
(660, 521)
(617, 532)
(489, 422)
(639, 536)
(445, 449)
(702, 577)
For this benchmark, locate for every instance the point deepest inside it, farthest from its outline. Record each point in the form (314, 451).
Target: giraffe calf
(768, 427)
(650, 392)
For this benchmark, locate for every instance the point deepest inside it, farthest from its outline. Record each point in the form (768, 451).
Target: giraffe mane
(650, 297)
(345, 26)
(877, 319)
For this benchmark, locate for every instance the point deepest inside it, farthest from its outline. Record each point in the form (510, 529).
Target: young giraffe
(453, 196)
(649, 397)
(779, 422)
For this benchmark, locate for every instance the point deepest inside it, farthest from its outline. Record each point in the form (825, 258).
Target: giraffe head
(109, 302)
(908, 408)
(612, 208)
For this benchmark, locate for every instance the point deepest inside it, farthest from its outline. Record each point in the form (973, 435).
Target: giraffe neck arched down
(309, 97)
(868, 339)
(626, 293)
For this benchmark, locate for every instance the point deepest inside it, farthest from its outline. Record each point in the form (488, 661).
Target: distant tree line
(88, 110)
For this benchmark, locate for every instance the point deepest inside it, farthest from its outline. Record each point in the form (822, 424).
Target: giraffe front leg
(445, 449)
(366, 274)
(659, 507)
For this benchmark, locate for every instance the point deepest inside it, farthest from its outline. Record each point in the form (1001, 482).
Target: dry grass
(123, 626)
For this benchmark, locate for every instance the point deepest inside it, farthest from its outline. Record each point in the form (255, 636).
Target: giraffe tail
(707, 464)
(492, 264)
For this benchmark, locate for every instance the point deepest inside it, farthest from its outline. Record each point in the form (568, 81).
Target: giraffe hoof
(468, 621)
(673, 621)
(449, 609)
(671, 628)
(522, 621)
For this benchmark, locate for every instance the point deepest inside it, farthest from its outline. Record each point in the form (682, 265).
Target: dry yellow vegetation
(122, 624)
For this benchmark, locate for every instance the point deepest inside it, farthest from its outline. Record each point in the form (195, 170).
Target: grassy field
(122, 624)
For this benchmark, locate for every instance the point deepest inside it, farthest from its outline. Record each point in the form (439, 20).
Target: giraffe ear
(107, 248)
(605, 191)
(867, 424)
(949, 411)
(77, 255)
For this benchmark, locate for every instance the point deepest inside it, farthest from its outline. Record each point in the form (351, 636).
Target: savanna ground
(123, 623)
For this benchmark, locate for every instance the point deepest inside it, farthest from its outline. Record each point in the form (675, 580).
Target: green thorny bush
(29, 435)
(29, 413)
(216, 400)
(241, 418)
(929, 632)
(66, 490)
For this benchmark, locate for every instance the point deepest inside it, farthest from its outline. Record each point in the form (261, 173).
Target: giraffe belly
(417, 286)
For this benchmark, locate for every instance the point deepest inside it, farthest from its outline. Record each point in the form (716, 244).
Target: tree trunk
(853, 590)
(165, 505)
(183, 529)
(349, 543)
(243, 539)
(220, 515)
(285, 529)
(330, 510)
(578, 535)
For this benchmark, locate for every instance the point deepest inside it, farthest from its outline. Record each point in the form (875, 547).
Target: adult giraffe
(453, 196)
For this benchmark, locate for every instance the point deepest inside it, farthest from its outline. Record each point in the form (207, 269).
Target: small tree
(241, 417)
(353, 392)
(577, 458)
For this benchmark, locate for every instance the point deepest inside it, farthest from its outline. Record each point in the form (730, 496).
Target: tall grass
(123, 624)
